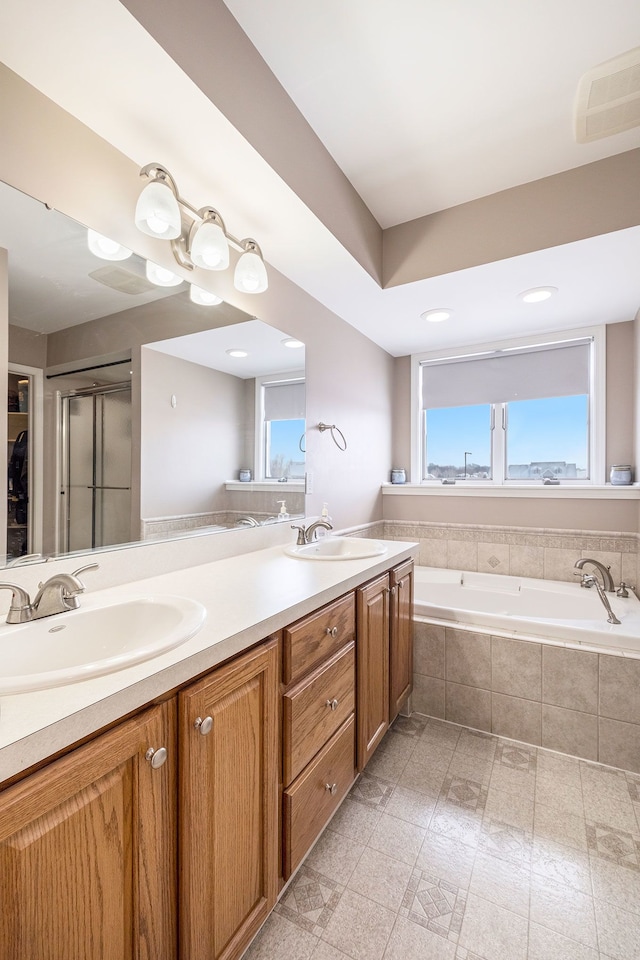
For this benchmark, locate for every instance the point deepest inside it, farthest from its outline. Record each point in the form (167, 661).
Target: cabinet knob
(331, 787)
(332, 632)
(392, 591)
(332, 704)
(203, 726)
(156, 757)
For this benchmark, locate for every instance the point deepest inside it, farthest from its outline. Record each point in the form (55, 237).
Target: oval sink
(92, 642)
(338, 548)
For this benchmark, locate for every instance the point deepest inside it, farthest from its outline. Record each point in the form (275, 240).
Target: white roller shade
(284, 401)
(551, 371)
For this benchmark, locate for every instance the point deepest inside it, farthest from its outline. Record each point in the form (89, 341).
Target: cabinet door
(228, 805)
(88, 851)
(401, 646)
(372, 666)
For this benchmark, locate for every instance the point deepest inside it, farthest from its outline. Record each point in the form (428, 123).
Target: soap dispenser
(283, 515)
(324, 515)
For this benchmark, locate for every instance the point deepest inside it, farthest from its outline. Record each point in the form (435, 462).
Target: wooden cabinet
(228, 805)
(384, 654)
(401, 637)
(88, 852)
(318, 759)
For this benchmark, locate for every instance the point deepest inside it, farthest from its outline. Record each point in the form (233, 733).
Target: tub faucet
(590, 579)
(607, 579)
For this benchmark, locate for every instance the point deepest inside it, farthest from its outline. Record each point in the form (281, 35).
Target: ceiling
(424, 104)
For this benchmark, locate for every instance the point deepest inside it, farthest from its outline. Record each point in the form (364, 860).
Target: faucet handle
(301, 540)
(85, 569)
(21, 610)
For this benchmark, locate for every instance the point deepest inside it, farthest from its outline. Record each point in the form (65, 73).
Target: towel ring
(301, 442)
(332, 427)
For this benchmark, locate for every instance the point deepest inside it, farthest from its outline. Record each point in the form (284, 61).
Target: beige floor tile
(502, 882)
(470, 767)
(411, 941)
(431, 752)
(324, 951)
(283, 939)
(618, 931)
(554, 823)
(513, 781)
(335, 856)
(557, 862)
(615, 884)
(446, 859)
(506, 842)
(309, 901)
(476, 744)
(493, 932)
(509, 807)
(564, 910)
(560, 794)
(599, 782)
(355, 820)
(386, 766)
(359, 927)
(411, 806)
(441, 732)
(423, 778)
(397, 744)
(545, 944)
(615, 813)
(456, 823)
(380, 878)
(435, 904)
(562, 769)
(397, 839)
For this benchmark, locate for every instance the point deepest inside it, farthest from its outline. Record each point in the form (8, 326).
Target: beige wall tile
(516, 718)
(428, 649)
(516, 668)
(570, 678)
(468, 706)
(526, 561)
(493, 558)
(463, 555)
(620, 688)
(428, 696)
(468, 658)
(559, 564)
(434, 553)
(570, 732)
(619, 744)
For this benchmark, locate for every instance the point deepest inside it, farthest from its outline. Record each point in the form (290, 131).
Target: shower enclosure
(95, 489)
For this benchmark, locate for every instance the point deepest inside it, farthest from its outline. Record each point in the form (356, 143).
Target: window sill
(266, 486)
(526, 491)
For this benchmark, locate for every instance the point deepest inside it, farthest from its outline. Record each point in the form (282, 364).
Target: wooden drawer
(316, 707)
(309, 802)
(311, 640)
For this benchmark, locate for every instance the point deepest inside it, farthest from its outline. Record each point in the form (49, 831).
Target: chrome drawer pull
(203, 726)
(331, 787)
(332, 632)
(156, 757)
(332, 704)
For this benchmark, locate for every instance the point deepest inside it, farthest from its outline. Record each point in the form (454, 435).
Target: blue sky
(553, 429)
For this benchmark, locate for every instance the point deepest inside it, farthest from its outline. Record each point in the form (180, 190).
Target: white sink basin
(93, 641)
(338, 548)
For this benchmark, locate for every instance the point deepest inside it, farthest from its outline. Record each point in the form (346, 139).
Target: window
(514, 412)
(282, 420)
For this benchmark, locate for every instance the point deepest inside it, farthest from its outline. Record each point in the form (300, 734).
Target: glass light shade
(161, 276)
(157, 211)
(105, 248)
(203, 297)
(209, 247)
(250, 274)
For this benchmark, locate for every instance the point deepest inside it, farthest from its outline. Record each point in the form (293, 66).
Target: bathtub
(549, 610)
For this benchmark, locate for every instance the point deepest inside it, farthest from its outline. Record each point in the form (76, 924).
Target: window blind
(284, 401)
(552, 370)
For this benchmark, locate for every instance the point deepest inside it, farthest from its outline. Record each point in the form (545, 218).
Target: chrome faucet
(309, 534)
(590, 579)
(607, 579)
(247, 522)
(58, 594)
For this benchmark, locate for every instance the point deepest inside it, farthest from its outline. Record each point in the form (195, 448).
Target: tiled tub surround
(574, 701)
(518, 551)
(458, 845)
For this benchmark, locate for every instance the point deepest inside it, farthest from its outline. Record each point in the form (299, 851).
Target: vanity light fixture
(538, 294)
(203, 297)
(237, 353)
(105, 248)
(204, 241)
(161, 276)
(437, 315)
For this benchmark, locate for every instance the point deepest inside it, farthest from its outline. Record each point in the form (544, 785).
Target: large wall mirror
(134, 413)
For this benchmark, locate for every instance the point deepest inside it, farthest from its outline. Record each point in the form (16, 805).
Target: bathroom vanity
(157, 812)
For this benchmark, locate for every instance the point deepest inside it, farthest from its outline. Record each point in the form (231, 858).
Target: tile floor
(459, 845)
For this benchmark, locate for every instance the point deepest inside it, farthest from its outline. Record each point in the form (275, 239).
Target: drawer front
(315, 708)
(309, 802)
(310, 641)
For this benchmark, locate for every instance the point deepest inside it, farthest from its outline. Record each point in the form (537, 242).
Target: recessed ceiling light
(437, 315)
(537, 294)
(292, 343)
(237, 353)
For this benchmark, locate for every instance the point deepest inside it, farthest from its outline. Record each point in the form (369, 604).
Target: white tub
(544, 609)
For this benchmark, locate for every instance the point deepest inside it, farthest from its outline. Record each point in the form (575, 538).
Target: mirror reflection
(134, 412)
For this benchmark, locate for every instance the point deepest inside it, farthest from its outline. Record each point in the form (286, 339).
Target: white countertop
(247, 597)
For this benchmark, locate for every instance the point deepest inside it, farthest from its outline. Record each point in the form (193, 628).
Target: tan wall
(4, 358)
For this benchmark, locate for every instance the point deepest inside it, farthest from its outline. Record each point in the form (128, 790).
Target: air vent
(123, 280)
(608, 99)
